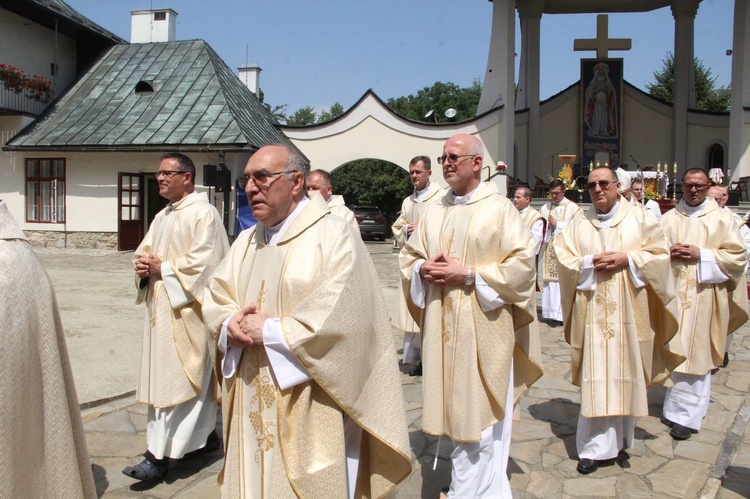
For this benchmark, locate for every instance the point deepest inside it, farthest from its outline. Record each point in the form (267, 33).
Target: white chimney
(150, 26)
(250, 76)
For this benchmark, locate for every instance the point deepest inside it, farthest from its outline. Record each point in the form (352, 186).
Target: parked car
(371, 222)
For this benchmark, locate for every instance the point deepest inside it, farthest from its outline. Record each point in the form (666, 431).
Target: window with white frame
(45, 190)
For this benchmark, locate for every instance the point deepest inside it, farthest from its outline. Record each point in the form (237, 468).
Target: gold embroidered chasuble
(338, 207)
(411, 210)
(566, 211)
(531, 216)
(44, 451)
(707, 312)
(466, 353)
(624, 339)
(334, 320)
(190, 236)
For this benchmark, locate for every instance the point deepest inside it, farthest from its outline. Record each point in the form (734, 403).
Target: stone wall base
(72, 240)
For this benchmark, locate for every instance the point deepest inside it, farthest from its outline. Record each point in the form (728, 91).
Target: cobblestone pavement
(713, 463)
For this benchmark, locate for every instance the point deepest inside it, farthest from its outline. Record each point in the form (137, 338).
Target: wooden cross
(602, 43)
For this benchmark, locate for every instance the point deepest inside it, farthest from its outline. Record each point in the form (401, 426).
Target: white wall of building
(91, 185)
(31, 48)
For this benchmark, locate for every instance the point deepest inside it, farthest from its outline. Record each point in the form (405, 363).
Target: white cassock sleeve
(286, 367)
(488, 298)
(587, 277)
(178, 297)
(416, 291)
(537, 231)
(230, 356)
(708, 271)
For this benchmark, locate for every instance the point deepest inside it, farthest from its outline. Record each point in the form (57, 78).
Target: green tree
(303, 116)
(438, 98)
(707, 96)
(373, 182)
(278, 112)
(335, 111)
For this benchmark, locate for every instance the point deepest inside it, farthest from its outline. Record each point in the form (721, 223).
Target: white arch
(370, 129)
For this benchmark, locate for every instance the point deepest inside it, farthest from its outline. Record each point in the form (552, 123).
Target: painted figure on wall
(601, 104)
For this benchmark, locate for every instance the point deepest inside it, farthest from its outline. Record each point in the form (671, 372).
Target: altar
(651, 182)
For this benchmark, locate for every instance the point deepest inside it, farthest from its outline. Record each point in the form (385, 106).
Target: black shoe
(679, 432)
(417, 371)
(586, 466)
(726, 360)
(400, 351)
(623, 459)
(212, 444)
(147, 470)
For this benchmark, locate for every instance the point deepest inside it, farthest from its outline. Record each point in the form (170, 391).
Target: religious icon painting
(601, 111)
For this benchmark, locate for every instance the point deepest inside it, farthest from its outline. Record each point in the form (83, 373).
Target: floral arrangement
(501, 167)
(37, 88)
(566, 177)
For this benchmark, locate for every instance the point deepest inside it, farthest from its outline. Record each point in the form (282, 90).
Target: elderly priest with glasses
(620, 317)
(708, 261)
(311, 399)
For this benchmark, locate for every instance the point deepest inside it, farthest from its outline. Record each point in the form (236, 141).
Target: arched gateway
(528, 136)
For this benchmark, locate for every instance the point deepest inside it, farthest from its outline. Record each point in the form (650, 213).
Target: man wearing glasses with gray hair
(618, 302)
(183, 246)
(708, 262)
(311, 398)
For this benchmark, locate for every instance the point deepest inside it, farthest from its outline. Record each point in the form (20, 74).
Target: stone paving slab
(713, 463)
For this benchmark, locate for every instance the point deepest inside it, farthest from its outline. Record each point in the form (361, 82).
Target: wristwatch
(469, 277)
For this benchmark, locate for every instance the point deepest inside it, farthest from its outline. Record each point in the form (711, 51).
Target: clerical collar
(466, 197)
(272, 235)
(694, 211)
(562, 201)
(606, 217)
(171, 206)
(421, 195)
(631, 200)
(524, 211)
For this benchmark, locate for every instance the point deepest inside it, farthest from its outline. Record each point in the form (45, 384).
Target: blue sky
(315, 53)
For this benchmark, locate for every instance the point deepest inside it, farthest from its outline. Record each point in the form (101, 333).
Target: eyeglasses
(167, 173)
(697, 187)
(452, 158)
(260, 177)
(603, 185)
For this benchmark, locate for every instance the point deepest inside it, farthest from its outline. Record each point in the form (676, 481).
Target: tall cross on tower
(602, 43)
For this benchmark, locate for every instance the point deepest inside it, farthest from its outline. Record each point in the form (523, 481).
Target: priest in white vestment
(708, 261)
(312, 401)
(44, 451)
(425, 193)
(320, 181)
(531, 217)
(558, 213)
(620, 316)
(469, 267)
(651, 206)
(184, 244)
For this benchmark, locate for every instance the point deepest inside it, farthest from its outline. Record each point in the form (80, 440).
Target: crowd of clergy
(287, 328)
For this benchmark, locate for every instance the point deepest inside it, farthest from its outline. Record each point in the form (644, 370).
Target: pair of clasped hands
(245, 328)
(616, 260)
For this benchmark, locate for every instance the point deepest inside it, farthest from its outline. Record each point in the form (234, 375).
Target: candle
(658, 167)
(675, 169)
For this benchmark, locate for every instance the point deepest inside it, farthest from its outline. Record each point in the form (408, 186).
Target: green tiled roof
(197, 102)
